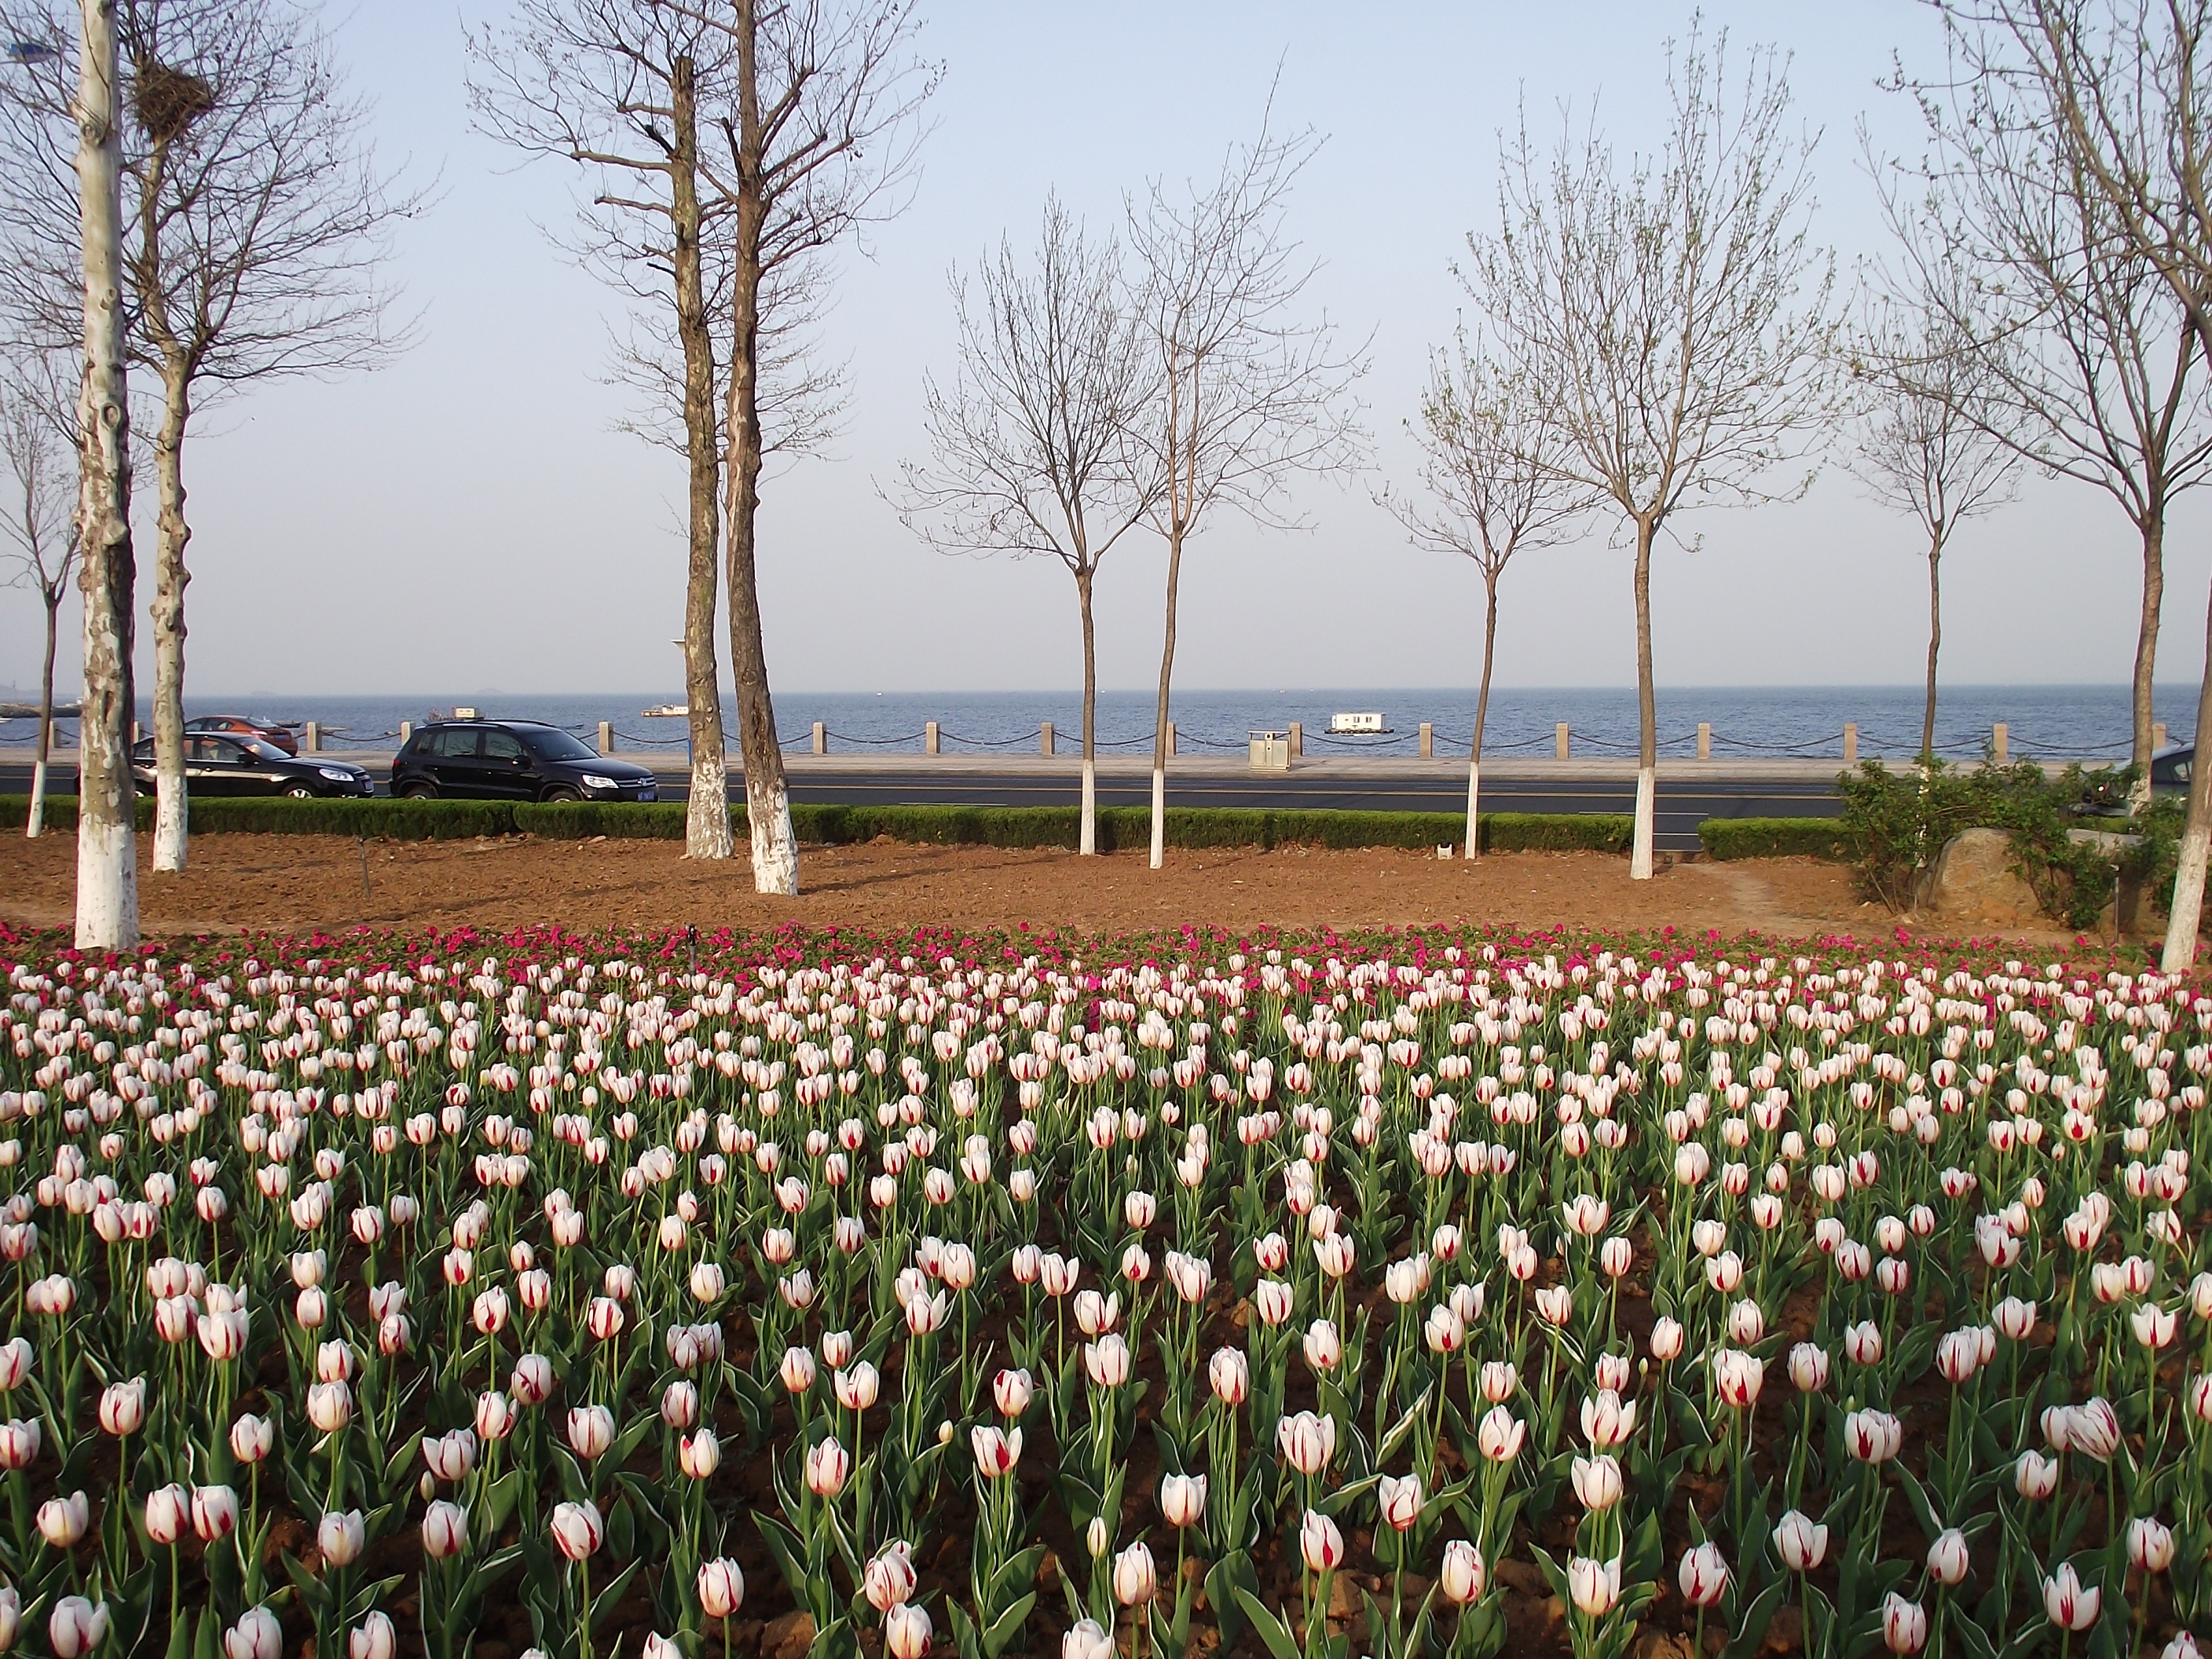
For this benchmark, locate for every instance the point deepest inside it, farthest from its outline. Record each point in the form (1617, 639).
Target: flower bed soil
(295, 883)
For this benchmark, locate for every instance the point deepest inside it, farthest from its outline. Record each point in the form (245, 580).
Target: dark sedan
(216, 765)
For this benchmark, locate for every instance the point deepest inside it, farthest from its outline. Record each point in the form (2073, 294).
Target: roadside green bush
(1775, 838)
(280, 815)
(377, 818)
(1899, 822)
(580, 820)
(1554, 832)
(1120, 827)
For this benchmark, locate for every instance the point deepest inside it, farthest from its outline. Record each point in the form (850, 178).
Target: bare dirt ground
(292, 883)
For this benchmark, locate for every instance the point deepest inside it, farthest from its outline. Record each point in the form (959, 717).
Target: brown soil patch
(298, 884)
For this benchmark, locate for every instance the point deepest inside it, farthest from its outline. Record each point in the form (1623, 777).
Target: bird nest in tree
(170, 100)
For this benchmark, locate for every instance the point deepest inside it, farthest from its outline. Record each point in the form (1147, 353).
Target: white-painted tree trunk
(1475, 809)
(1647, 712)
(1647, 797)
(1087, 842)
(707, 816)
(2187, 913)
(106, 884)
(1159, 817)
(106, 834)
(775, 847)
(35, 824)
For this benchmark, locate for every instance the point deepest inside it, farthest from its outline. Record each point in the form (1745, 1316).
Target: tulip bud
(907, 1631)
(577, 1529)
(721, 1588)
(340, 1536)
(372, 1638)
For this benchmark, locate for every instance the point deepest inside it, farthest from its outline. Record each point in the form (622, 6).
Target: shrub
(280, 815)
(374, 816)
(580, 820)
(1120, 827)
(1775, 838)
(1899, 822)
(1556, 832)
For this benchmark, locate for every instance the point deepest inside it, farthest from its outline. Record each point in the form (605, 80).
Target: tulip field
(812, 1296)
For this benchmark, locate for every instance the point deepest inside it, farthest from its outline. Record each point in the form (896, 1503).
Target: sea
(2088, 723)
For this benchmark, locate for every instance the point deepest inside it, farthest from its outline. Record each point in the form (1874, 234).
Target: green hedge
(281, 815)
(1775, 838)
(1120, 827)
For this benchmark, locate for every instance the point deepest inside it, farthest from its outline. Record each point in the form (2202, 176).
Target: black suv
(512, 760)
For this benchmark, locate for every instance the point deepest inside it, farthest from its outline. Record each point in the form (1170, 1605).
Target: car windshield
(260, 748)
(556, 745)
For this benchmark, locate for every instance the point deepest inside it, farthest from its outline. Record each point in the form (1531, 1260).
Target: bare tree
(820, 142)
(622, 87)
(258, 226)
(1670, 324)
(1933, 437)
(1033, 439)
(2119, 89)
(2084, 363)
(38, 428)
(1246, 397)
(1494, 490)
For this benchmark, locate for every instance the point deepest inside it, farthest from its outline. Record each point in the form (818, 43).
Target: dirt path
(297, 884)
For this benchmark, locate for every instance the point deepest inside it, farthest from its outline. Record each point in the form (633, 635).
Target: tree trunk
(1160, 719)
(106, 835)
(768, 801)
(2186, 911)
(35, 825)
(2154, 596)
(170, 577)
(1647, 711)
(1482, 712)
(1087, 842)
(707, 817)
(1934, 642)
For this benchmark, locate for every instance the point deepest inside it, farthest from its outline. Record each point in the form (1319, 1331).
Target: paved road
(1683, 803)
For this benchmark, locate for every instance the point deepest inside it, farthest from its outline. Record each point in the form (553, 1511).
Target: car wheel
(417, 792)
(562, 794)
(301, 791)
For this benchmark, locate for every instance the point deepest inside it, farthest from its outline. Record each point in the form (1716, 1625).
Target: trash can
(1271, 751)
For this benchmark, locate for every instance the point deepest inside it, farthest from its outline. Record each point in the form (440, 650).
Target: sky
(472, 516)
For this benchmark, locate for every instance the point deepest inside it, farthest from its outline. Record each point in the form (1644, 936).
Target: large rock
(1974, 881)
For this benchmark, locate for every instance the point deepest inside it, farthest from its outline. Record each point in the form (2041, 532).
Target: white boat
(668, 711)
(1362, 724)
